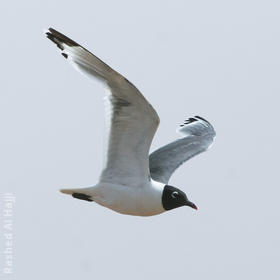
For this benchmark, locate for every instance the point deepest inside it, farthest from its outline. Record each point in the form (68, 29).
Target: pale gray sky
(217, 59)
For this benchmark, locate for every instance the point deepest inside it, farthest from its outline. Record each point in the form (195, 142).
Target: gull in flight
(133, 182)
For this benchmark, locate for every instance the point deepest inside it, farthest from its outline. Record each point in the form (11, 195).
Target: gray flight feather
(198, 135)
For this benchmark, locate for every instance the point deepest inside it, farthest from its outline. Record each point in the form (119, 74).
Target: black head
(173, 198)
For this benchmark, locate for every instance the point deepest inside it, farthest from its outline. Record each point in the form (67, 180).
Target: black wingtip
(60, 38)
(198, 117)
(190, 120)
(54, 40)
(194, 119)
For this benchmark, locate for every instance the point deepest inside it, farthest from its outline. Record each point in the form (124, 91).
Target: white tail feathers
(67, 191)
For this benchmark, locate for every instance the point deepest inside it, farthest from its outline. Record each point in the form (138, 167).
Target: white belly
(141, 201)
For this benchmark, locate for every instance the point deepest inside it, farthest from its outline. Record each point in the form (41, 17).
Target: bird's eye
(175, 195)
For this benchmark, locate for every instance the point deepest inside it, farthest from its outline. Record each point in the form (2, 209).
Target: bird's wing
(131, 121)
(198, 134)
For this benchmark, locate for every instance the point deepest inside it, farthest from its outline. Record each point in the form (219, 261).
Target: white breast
(142, 201)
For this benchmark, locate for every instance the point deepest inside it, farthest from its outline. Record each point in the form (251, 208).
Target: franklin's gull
(132, 182)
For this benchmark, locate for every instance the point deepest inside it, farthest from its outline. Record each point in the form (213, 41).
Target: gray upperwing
(131, 121)
(198, 135)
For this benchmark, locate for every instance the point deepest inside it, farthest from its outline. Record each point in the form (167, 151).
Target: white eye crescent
(175, 194)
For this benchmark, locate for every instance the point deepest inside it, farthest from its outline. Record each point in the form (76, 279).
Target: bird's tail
(82, 193)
